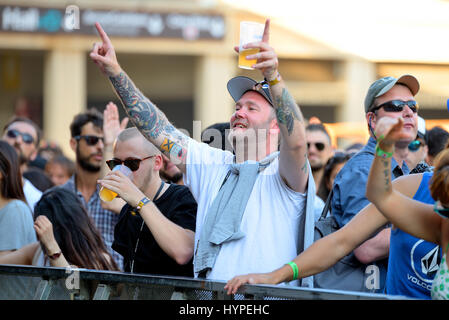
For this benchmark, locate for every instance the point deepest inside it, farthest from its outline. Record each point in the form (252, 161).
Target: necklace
(141, 228)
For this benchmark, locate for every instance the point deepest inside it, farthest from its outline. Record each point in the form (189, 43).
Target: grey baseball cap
(383, 85)
(238, 86)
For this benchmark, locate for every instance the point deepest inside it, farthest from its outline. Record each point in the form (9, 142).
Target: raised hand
(267, 61)
(103, 54)
(111, 124)
(389, 130)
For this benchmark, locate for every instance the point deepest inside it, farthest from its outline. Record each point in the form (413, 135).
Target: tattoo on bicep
(287, 111)
(305, 167)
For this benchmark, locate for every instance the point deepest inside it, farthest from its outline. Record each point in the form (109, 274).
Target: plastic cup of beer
(108, 195)
(249, 32)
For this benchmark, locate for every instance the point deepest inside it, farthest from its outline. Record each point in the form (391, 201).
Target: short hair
(81, 119)
(436, 139)
(133, 132)
(318, 127)
(30, 122)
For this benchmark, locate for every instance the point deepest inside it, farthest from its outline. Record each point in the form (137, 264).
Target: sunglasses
(441, 210)
(318, 145)
(26, 137)
(90, 140)
(397, 106)
(132, 163)
(415, 145)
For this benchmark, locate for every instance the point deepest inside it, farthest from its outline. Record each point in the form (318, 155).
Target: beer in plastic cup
(108, 195)
(249, 32)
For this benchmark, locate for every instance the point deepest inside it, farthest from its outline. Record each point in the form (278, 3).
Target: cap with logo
(383, 85)
(238, 86)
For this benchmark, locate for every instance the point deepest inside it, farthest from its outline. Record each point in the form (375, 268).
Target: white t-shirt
(32, 194)
(270, 221)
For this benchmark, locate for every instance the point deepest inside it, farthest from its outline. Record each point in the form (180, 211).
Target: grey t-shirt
(16, 226)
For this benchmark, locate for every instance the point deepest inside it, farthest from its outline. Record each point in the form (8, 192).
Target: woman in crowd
(421, 220)
(66, 234)
(331, 169)
(16, 218)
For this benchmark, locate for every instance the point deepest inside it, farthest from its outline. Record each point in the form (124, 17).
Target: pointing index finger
(104, 37)
(266, 31)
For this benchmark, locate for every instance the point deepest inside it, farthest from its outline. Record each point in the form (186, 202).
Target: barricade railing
(48, 283)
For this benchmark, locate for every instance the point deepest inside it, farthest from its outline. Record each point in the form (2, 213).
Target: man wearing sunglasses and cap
(24, 135)
(252, 206)
(390, 97)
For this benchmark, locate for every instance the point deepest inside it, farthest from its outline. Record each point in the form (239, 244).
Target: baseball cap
(383, 85)
(238, 86)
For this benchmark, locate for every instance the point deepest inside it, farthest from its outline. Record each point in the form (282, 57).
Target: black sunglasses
(131, 163)
(441, 210)
(90, 140)
(26, 137)
(414, 145)
(319, 145)
(397, 106)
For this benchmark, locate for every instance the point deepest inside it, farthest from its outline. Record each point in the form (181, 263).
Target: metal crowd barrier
(49, 283)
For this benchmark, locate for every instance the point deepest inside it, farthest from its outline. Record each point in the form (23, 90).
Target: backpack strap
(327, 205)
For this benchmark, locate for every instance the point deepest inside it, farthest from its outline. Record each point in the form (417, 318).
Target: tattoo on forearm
(287, 111)
(304, 167)
(386, 174)
(144, 114)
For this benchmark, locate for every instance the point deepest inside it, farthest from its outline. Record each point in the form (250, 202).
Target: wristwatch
(142, 202)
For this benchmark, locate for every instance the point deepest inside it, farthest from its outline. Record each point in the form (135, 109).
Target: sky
(380, 30)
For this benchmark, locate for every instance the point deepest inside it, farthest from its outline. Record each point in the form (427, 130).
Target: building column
(212, 102)
(64, 94)
(358, 76)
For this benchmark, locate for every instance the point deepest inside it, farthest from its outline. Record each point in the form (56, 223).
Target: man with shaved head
(156, 228)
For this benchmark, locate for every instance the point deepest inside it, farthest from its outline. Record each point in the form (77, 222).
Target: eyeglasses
(26, 137)
(318, 145)
(90, 140)
(415, 145)
(131, 163)
(441, 210)
(397, 106)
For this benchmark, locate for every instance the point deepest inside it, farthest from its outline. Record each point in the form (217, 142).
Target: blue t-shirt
(349, 196)
(413, 262)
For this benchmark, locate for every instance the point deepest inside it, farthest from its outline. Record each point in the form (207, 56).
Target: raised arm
(411, 216)
(293, 166)
(144, 114)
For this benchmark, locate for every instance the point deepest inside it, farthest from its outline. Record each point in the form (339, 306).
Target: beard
(22, 158)
(84, 162)
(173, 179)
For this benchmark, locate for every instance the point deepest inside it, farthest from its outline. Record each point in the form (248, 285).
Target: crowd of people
(240, 206)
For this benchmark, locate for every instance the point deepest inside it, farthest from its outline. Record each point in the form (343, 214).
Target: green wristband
(295, 269)
(382, 153)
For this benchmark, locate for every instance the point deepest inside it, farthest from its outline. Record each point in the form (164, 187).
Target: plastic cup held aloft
(249, 32)
(108, 195)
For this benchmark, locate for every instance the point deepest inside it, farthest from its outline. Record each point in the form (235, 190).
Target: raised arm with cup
(265, 115)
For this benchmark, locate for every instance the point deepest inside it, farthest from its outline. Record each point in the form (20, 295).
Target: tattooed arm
(144, 114)
(293, 165)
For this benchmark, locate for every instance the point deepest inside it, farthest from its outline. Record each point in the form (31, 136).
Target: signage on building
(73, 20)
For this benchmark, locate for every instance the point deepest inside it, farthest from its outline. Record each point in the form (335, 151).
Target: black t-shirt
(176, 204)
